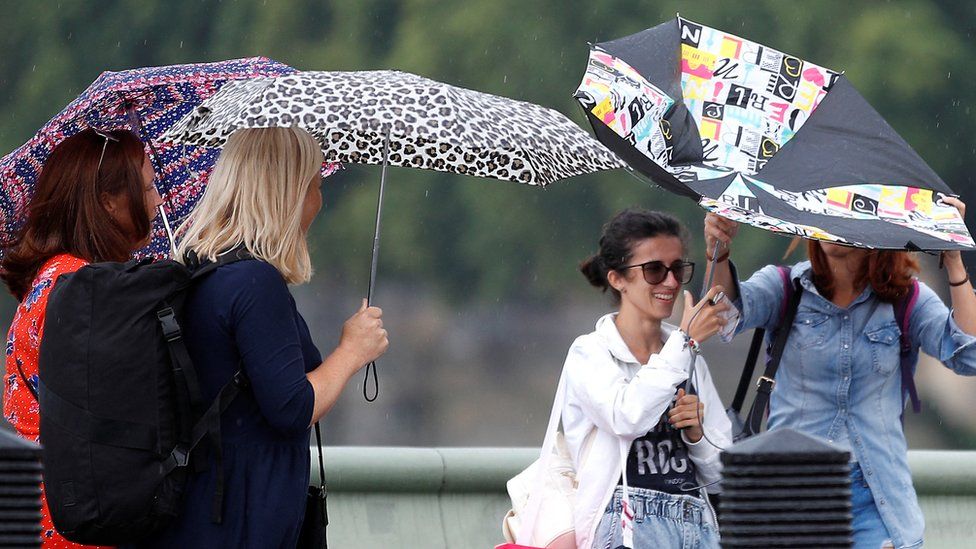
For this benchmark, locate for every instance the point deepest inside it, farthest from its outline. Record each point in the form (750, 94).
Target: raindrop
(181, 44)
(948, 75)
(505, 79)
(426, 193)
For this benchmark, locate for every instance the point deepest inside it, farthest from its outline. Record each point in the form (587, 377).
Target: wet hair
(619, 237)
(66, 214)
(888, 272)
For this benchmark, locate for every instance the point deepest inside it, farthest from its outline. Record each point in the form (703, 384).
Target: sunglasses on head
(655, 272)
(108, 137)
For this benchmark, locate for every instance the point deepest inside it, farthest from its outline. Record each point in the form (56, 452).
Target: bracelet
(721, 258)
(691, 343)
(960, 283)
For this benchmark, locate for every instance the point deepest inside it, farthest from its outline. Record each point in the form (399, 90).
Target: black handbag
(757, 412)
(316, 520)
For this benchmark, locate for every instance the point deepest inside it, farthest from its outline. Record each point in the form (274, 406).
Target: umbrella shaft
(711, 270)
(379, 215)
(169, 230)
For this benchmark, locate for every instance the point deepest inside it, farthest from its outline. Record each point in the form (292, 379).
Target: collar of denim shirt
(804, 271)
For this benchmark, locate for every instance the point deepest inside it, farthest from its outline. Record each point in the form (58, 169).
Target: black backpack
(120, 404)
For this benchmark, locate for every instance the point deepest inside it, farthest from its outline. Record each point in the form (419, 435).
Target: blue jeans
(869, 530)
(660, 521)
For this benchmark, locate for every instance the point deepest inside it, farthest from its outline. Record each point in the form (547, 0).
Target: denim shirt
(839, 379)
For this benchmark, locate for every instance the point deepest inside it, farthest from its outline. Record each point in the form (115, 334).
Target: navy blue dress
(243, 314)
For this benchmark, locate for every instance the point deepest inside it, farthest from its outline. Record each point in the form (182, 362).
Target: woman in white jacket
(632, 414)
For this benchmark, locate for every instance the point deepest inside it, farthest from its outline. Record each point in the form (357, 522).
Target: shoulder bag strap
(27, 382)
(758, 335)
(903, 315)
(531, 511)
(748, 369)
(323, 486)
(766, 382)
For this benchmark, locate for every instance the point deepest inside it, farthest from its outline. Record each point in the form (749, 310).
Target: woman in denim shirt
(839, 378)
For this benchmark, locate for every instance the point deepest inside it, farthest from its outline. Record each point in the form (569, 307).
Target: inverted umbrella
(401, 119)
(765, 138)
(147, 101)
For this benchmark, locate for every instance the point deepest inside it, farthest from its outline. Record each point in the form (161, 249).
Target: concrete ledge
(387, 497)
(460, 470)
(943, 473)
(431, 470)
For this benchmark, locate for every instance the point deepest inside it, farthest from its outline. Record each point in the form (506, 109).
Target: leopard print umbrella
(431, 125)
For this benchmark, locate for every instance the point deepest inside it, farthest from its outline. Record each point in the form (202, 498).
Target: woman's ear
(615, 279)
(112, 204)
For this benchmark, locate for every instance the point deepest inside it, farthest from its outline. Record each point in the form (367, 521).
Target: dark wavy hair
(888, 272)
(620, 234)
(66, 214)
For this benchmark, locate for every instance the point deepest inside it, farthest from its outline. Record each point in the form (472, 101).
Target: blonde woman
(262, 197)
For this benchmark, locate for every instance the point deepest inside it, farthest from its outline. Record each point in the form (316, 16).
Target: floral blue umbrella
(147, 101)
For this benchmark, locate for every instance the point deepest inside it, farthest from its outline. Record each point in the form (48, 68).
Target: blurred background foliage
(479, 276)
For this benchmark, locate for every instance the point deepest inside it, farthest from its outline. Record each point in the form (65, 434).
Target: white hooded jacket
(609, 393)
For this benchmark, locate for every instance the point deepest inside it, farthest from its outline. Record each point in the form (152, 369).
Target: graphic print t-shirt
(659, 461)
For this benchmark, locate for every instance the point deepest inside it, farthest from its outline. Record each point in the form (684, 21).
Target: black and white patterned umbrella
(401, 119)
(431, 125)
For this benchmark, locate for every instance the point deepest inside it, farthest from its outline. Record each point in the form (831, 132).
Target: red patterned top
(23, 346)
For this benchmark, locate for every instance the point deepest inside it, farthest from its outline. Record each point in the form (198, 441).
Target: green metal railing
(455, 497)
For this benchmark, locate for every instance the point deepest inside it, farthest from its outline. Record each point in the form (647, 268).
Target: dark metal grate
(20, 492)
(785, 489)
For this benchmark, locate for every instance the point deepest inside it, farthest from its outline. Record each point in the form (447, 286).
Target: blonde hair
(255, 197)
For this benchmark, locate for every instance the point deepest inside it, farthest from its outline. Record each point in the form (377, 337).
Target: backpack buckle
(179, 457)
(240, 379)
(171, 328)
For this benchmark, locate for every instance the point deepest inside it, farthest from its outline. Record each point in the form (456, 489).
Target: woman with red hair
(94, 201)
(840, 377)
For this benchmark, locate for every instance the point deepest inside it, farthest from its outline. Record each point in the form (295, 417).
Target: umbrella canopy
(431, 125)
(148, 101)
(401, 119)
(765, 138)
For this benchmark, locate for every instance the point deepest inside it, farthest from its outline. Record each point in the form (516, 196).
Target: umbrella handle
(371, 367)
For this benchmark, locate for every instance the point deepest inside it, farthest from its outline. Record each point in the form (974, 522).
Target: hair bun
(594, 271)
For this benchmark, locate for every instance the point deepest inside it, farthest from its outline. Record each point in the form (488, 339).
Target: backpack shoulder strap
(903, 315)
(188, 392)
(200, 269)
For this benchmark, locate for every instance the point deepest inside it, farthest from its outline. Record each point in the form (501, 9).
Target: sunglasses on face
(655, 272)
